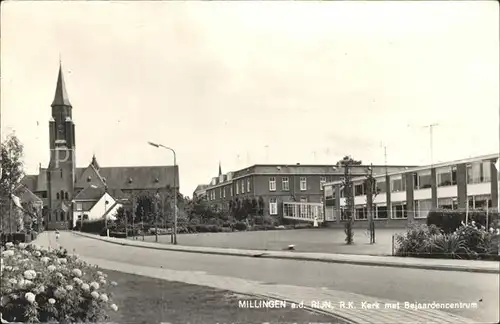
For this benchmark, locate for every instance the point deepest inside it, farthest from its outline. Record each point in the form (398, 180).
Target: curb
(270, 255)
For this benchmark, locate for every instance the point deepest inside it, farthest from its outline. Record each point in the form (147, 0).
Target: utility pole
(431, 129)
(347, 162)
(371, 190)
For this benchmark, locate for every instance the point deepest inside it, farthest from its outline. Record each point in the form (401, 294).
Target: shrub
(467, 242)
(240, 226)
(40, 285)
(450, 220)
(92, 227)
(263, 220)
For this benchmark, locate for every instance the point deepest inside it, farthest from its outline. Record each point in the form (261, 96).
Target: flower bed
(469, 241)
(40, 285)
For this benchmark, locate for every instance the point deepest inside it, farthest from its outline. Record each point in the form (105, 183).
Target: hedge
(450, 220)
(16, 238)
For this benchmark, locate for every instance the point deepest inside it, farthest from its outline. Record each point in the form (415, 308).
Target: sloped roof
(149, 177)
(26, 195)
(61, 96)
(93, 192)
(90, 193)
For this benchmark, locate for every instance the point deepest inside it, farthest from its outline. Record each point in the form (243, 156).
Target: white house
(94, 203)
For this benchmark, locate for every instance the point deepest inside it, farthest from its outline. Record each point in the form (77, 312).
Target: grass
(149, 300)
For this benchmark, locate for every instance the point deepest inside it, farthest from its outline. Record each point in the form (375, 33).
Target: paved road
(389, 283)
(321, 240)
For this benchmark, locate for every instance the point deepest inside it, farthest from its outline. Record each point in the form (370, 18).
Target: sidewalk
(368, 260)
(330, 299)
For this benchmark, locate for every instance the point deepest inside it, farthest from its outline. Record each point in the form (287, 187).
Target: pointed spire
(94, 162)
(220, 169)
(61, 96)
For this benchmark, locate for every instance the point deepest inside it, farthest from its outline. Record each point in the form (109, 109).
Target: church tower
(61, 169)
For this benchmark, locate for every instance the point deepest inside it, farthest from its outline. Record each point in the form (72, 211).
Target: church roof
(25, 194)
(93, 192)
(61, 96)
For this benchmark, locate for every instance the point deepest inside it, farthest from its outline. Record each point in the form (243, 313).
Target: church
(70, 193)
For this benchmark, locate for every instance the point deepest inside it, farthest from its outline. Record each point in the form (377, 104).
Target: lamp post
(106, 210)
(157, 196)
(174, 233)
(369, 200)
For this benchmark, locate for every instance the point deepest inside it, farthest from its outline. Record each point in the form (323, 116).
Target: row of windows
(240, 187)
(60, 216)
(421, 208)
(477, 172)
(62, 196)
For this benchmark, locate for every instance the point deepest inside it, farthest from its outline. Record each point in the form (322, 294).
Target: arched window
(57, 196)
(66, 195)
(62, 194)
(62, 216)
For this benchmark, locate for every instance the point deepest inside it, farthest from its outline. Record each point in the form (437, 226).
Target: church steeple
(220, 169)
(94, 163)
(61, 96)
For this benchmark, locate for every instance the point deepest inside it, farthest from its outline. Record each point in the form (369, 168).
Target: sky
(254, 82)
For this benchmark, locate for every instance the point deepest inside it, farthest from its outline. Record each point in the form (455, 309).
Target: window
(322, 181)
(303, 183)
(273, 206)
(397, 183)
(359, 189)
(422, 179)
(79, 206)
(66, 196)
(303, 207)
(360, 213)
(445, 203)
(44, 194)
(220, 192)
(399, 211)
(446, 176)
(272, 184)
(237, 188)
(479, 172)
(285, 184)
(242, 186)
(224, 192)
(85, 217)
(248, 185)
(329, 192)
(380, 184)
(381, 212)
(422, 208)
(57, 195)
(62, 194)
(480, 202)
(231, 190)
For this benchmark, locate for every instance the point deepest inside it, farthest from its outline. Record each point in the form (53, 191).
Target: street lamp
(174, 234)
(106, 210)
(157, 196)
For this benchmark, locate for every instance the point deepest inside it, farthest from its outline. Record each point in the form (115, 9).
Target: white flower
(15, 269)
(85, 287)
(59, 293)
(39, 289)
(21, 283)
(114, 307)
(36, 247)
(94, 285)
(59, 275)
(9, 245)
(8, 253)
(104, 297)
(28, 283)
(498, 231)
(63, 260)
(77, 272)
(491, 230)
(4, 300)
(94, 294)
(9, 268)
(102, 281)
(13, 281)
(78, 280)
(45, 259)
(51, 268)
(99, 273)
(52, 301)
(473, 223)
(30, 297)
(114, 283)
(22, 246)
(30, 274)
(37, 254)
(69, 287)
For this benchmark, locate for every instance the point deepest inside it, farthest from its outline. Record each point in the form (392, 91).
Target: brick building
(408, 195)
(277, 184)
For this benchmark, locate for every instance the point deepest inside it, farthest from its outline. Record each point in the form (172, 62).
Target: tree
(261, 206)
(12, 173)
(347, 163)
